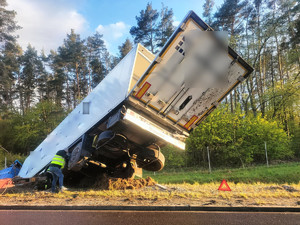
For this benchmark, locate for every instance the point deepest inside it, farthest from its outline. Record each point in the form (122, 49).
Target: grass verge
(278, 174)
(257, 194)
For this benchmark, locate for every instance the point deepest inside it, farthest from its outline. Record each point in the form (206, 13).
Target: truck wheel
(127, 172)
(74, 158)
(150, 159)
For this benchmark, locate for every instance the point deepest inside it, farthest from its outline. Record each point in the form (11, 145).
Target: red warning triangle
(224, 186)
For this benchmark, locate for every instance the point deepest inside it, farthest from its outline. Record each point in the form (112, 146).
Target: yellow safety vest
(58, 160)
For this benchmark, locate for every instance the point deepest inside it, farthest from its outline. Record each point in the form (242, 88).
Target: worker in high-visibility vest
(57, 164)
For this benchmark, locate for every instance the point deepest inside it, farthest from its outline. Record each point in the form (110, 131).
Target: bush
(174, 157)
(235, 139)
(22, 133)
(10, 158)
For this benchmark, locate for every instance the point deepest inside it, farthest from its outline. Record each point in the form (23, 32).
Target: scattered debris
(283, 187)
(108, 183)
(162, 187)
(274, 188)
(178, 189)
(211, 202)
(75, 195)
(289, 188)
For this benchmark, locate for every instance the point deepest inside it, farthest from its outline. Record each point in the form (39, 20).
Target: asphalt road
(113, 217)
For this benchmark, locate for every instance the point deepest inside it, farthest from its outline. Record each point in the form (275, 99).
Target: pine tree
(30, 64)
(108, 62)
(229, 18)
(207, 8)
(145, 30)
(9, 53)
(57, 79)
(42, 78)
(7, 25)
(9, 71)
(125, 48)
(73, 54)
(165, 27)
(95, 51)
(97, 72)
(290, 13)
(114, 61)
(95, 46)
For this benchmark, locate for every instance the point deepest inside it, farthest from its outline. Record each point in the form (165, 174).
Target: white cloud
(176, 23)
(45, 23)
(113, 33)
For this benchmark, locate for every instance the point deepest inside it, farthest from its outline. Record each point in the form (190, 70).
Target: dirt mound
(108, 183)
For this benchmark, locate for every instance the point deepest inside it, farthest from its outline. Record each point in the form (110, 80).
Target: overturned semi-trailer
(145, 102)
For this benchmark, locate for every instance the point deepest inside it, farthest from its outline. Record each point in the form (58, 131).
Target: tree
(97, 72)
(145, 30)
(9, 53)
(7, 25)
(72, 54)
(165, 27)
(95, 51)
(109, 61)
(57, 79)
(9, 71)
(125, 48)
(114, 61)
(229, 18)
(23, 133)
(42, 79)
(30, 64)
(207, 8)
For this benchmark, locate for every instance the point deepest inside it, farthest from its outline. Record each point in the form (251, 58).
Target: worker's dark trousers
(57, 174)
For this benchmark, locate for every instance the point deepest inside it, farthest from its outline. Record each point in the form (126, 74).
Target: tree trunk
(231, 103)
(251, 97)
(68, 94)
(77, 76)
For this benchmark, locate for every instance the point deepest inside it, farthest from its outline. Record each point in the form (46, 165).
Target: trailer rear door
(192, 74)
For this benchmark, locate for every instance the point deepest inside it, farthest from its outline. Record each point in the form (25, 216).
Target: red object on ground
(224, 186)
(6, 183)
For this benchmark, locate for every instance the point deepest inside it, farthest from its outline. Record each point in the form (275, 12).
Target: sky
(45, 23)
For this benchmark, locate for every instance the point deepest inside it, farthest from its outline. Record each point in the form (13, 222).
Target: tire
(150, 159)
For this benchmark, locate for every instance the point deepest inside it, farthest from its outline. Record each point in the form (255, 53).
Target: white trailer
(145, 102)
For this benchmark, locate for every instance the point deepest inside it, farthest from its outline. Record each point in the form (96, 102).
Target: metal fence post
(266, 154)
(208, 160)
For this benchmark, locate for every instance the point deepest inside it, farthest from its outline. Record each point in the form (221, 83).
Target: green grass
(279, 174)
